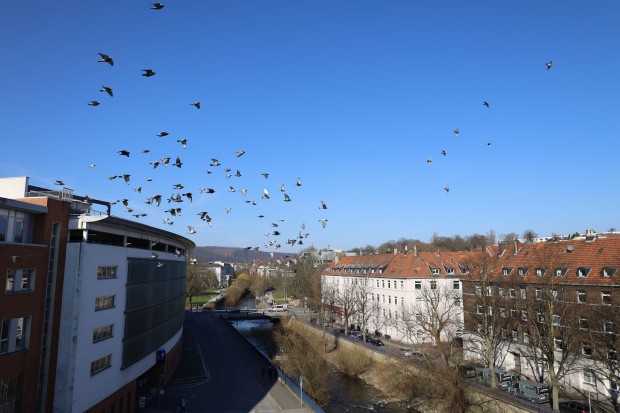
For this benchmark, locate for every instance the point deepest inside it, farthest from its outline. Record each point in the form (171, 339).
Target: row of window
(14, 333)
(392, 284)
(540, 294)
(580, 272)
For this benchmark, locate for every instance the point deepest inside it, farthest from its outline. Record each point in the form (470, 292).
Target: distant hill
(232, 254)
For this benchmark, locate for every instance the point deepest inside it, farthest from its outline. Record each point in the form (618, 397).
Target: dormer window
(449, 271)
(608, 272)
(540, 272)
(583, 272)
(464, 270)
(522, 271)
(560, 272)
(435, 271)
(506, 271)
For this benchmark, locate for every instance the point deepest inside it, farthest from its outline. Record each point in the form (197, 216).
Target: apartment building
(32, 259)
(93, 306)
(549, 309)
(401, 295)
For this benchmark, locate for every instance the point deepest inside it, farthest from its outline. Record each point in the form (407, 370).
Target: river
(347, 394)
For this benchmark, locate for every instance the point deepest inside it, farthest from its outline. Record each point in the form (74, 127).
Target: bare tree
(364, 304)
(198, 279)
(346, 301)
(529, 235)
(490, 319)
(551, 321)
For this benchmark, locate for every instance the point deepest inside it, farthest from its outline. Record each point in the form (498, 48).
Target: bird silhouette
(178, 162)
(456, 132)
(488, 144)
(106, 59)
(188, 195)
(323, 205)
(195, 104)
(183, 142)
(298, 183)
(93, 103)
(443, 152)
(178, 186)
(287, 198)
(214, 162)
(123, 152)
(108, 90)
(155, 198)
(58, 182)
(126, 177)
(91, 166)
(148, 73)
(446, 188)
(266, 175)
(155, 164)
(429, 161)
(162, 134)
(165, 161)
(265, 194)
(548, 64)
(157, 6)
(485, 103)
(239, 153)
(323, 222)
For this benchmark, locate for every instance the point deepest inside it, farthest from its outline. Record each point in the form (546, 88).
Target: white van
(279, 308)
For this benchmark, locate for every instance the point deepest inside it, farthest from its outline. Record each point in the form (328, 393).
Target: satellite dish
(570, 248)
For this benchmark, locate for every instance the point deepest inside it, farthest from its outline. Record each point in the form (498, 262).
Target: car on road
(407, 352)
(467, 371)
(377, 342)
(356, 335)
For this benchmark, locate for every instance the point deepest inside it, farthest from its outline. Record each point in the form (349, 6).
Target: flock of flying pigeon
(176, 199)
(486, 104)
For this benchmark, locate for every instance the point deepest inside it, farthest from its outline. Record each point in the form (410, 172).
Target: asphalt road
(221, 372)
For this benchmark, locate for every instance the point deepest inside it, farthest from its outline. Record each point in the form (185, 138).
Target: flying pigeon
(548, 64)
(146, 150)
(123, 152)
(298, 183)
(156, 199)
(239, 153)
(93, 103)
(138, 189)
(227, 210)
(214, 162)
(287, 198)
(108, 90)
(113, 177)
(485, 103)
(443, 152)
(489, 144)
(447, 188)
(165, 161)
(59, 182)
(123, 201)
(148, 73)
(183, 142)
(231, 189)
(266, 175)
(91, 166)
(126, 178)
(323, 205)
(178, 162)
(196, 104)
(265, 194)
(106, 59)
(162, 134)
(178, 186)
(238, 174)
(282, 188)
(155, 164)
(188, 196)
(157, 6)
(323, 222)
(429, 161)
(456, 132)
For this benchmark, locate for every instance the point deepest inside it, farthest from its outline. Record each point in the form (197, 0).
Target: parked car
(503, 378)
(531, 390)
(467, 371)
(407, 352)
(377, 342)
(573, 406)
(356, 334)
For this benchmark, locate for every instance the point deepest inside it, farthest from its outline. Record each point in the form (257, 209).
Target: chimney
(406, 252)
(415, 250)
(515, 247)
(336, 259)
(395, 251)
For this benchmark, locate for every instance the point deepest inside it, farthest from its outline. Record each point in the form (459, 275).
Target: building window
(490, 310)
(500, 291)
(560, 272)
(540, 272)
(478, 290)
(589, 377)
(402, 285)
(506, 271)
(581, 297)
(4, 221)
(106, 301)
(524, 315)
(4, 336)
(100, 364)
(433, 285)
(515, 335)
(389, 299)
(522, 271)
(513, 313)
(478, 309)
(456, 285)
(611, 354)
(102, 333)
(449, 271)
(435, 271)
(383, 298)
(14, 334)
(502, 312)
(608, 272)
(557, 343)
(19, 280)
(554, 295)
(583, 272)
(511, 292)
(18, 231)
(538, 294)
(21, 327)
(608, 327)
(402, 301)
(556, 320)
(389, 284)
(540, 317)
(419, 301)
(457, 301)
(523, 293)
(418, 285)
(489, 290)
(105, 273)
(526, 338)
(583, 323)
(586, 350)
(606, 298)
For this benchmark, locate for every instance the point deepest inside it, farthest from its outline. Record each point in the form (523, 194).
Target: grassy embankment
(201, 298)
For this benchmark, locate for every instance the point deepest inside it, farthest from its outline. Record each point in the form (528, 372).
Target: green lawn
(278, 297)
(202, 298)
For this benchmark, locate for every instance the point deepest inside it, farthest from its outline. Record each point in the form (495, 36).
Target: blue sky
(352, 97)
